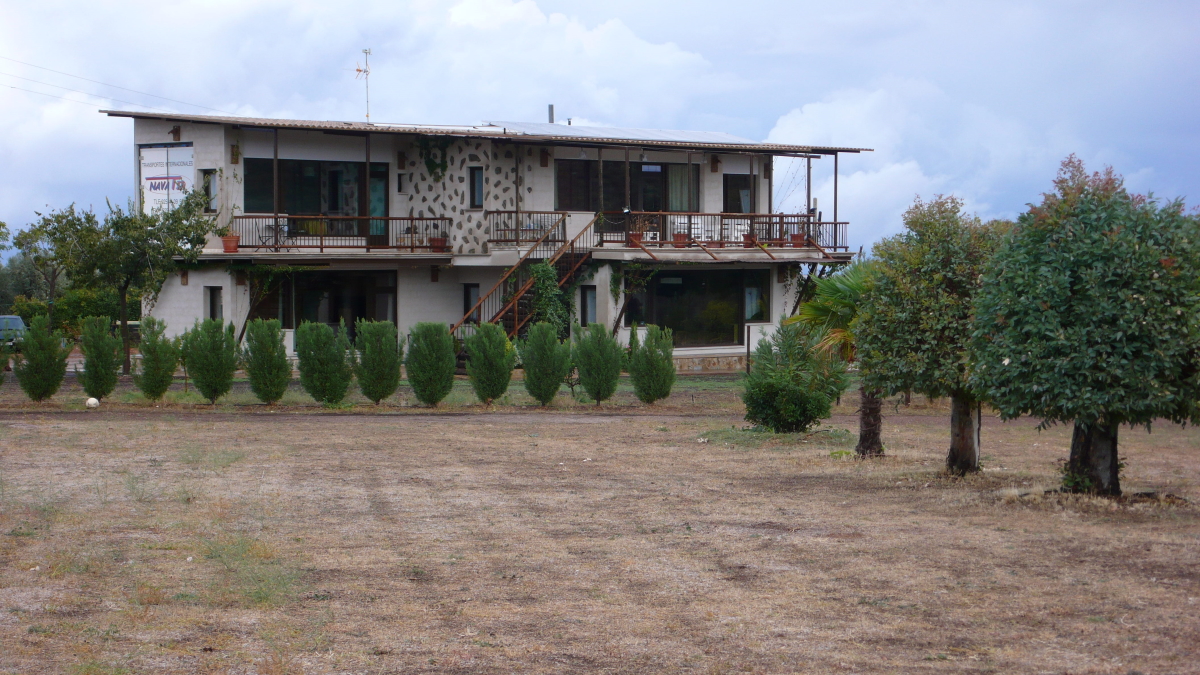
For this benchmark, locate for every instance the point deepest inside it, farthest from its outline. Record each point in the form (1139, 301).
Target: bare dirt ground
(185, 539)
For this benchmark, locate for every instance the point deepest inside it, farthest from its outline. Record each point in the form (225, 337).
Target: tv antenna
(365, 72)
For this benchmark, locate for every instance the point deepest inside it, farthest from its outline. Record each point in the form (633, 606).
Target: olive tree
(915, 320)
(1090, 314)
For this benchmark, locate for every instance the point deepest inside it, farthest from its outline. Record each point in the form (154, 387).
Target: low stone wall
(710, 364)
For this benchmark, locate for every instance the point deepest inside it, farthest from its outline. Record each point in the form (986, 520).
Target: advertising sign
(167, 175)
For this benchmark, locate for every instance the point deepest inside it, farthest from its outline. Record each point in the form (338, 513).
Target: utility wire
(82, 92)
(114, 86)
(41, 93)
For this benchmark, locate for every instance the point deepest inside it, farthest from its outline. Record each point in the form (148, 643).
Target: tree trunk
(870, 424)
(123, 293)
(966, 417)
(1093, 466)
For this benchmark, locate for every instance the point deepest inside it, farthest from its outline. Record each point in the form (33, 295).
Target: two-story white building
(413, 223)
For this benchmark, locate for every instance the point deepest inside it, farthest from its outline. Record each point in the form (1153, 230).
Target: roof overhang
(534, 134)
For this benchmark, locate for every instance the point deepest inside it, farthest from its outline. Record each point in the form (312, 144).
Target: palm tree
(834, 307)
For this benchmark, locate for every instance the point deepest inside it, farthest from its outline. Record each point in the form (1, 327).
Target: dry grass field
(184, 539)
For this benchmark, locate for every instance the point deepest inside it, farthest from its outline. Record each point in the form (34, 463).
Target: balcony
(293, 233)
(719, 230)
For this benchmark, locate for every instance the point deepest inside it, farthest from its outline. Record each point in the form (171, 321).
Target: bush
(792, 382)
(266, 360)
(550, 302)
(210, 352)
(42, 361)
(431, 362)
(597, 356)
(546, 360)
(102, 357)
(326, 364)
(650, 364)
(490, 361)
(160, 358)
(378, 364)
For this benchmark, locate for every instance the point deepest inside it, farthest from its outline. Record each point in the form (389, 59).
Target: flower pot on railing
(439, 244)
(716, 244)
(229, 242)
(748, 241)
(797, 240)
(635, 238)
(679, 239)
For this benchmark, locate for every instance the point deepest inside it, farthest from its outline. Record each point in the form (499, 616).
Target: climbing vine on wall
(434, 152)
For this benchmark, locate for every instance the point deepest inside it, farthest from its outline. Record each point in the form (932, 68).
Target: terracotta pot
(439, 244)
(748, 241)
(635, 238)
(715, 244)
(680, 239)
(797, 240)
(230, 243)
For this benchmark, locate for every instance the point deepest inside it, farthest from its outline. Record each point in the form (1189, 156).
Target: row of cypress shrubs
(328, 362)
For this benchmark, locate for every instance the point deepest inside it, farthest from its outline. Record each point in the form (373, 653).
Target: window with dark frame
(476, 175)
(737, 193)
(587, 305)
(470, 298)
(215, 308)
(208, 183)
(703, 307)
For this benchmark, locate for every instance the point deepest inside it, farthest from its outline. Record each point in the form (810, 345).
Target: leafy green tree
(597, 357)
(325, 361)
(550, 303)
(379, 354)
(210, 352)
(266, 361)
(431, 362)
(1090, 314)
(915, 319)
(792, 383)
(101, 357)
(41, 362)
(132, 250)
(651, 364)
(834, 309)
(546, 361)
(55, 244)
(490, 361)
(160, 358)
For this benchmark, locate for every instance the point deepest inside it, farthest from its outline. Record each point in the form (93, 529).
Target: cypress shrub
(210, 351)
(326, 363)
(490, 361)
(3, 360)
(650, 364)
(597, 357)
(102, 357)
(160, 358)
(546, 360)
(378, 366)
(42, 361)
(266, 360)
(431, 362)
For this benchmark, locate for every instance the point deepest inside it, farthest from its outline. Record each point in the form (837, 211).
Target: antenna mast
(365, 71)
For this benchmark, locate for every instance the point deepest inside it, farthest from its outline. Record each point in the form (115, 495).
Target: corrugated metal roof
(551, 134)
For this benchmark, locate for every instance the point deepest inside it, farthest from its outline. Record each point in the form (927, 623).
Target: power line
(85, 93)
(42, 93)
(114, 86)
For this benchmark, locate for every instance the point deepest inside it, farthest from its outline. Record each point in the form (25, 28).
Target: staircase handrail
(504, 277)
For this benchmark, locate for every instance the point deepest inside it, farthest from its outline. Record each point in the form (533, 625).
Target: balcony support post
(275, 186)
(835, 187)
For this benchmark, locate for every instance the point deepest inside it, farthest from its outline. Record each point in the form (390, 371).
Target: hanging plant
(434, 152)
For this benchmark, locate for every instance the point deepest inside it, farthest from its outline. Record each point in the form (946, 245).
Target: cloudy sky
(981, 100)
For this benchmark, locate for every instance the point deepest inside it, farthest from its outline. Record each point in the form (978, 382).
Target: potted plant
(229, 239)
(439, 244)
(635, 229)
(680, 239)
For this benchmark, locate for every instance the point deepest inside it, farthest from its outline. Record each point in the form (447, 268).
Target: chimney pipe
(551, 113)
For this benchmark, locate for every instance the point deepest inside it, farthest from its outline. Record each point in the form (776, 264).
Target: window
(259, 195)
(476, 187)
(587, 305)
(573, 189)
(315, 188)
(331, 298)
(757, 303)
(208, 183)
(703, 307)
(470, 298)
(212, 299)
(737, 193)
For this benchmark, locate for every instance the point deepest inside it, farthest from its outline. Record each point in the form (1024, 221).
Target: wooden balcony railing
(720, 230)
(518, 228)
(286, 232)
